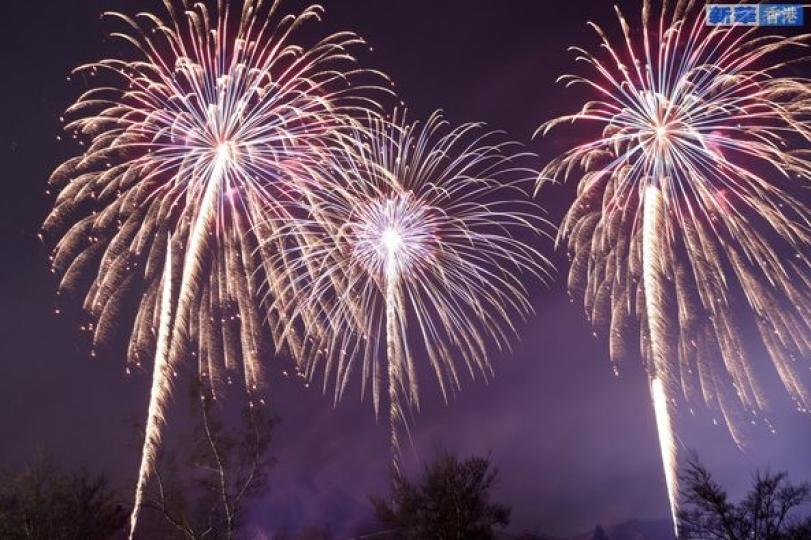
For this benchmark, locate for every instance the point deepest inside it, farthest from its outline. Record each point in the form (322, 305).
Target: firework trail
(667, 445)
(161, 387)
(684, 210)
(412, 252)
(652, 281)
(210, 126)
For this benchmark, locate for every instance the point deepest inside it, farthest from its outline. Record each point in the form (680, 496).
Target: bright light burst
(210, 124)
(684, 208)
(417, 250)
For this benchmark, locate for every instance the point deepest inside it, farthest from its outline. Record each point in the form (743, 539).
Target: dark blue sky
(575, 444)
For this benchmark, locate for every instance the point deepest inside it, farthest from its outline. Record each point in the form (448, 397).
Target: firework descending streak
(190, 144)
(685, 213)
(416, 250)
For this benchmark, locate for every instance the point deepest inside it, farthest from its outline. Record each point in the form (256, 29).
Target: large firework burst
(210, 125)
(684, 209)
(416, 250)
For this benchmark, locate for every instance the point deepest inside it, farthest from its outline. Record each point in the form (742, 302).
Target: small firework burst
(417, 250)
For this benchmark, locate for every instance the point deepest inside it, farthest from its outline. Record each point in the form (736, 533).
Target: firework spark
(684, 209)
(211, 124)
(413, 253)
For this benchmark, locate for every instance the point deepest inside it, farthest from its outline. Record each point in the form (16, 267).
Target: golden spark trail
(197, 243)
(652, 234)
(161, 389)
(391, 240)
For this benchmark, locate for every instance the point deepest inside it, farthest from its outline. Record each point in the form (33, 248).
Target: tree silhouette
(452, 502)
(599, 533)
(201, 489)
(42, 503)
(765, 513)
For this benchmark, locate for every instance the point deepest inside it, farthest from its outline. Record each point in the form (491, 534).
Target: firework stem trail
(196, 245)
(393, 358)
(161, 388)
(161, 380)
(652, 282)
(664, 427)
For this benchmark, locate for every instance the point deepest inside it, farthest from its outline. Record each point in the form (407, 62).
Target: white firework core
(394, 234)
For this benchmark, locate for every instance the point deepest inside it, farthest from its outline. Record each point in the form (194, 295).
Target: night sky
(575, 444)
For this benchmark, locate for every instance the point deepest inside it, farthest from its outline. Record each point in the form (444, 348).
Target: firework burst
(210, 126)
(684, 209)
(416, 250)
